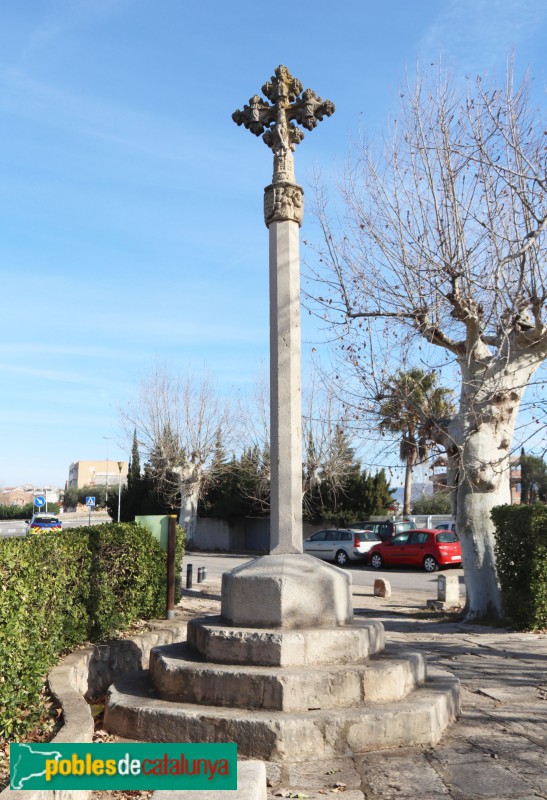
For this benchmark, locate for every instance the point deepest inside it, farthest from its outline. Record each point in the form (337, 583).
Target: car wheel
(376, 561)
(430, 565)
(341, 558)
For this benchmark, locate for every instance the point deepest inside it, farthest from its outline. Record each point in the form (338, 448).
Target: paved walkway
(497, 749)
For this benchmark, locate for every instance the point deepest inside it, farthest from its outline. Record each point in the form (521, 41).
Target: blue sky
(131, 222)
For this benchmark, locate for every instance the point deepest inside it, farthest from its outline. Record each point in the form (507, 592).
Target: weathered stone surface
(448, 589)
(418, 719)
(402, 776)
(285, 381)
(382, 588)
(220, 643)
(177, 675)
(251, 785)
(287, 591)
(283, 202)
(275, 122)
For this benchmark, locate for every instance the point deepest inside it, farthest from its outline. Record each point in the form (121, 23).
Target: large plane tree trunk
(489, 406)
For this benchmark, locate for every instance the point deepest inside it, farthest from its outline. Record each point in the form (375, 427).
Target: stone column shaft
(285, 389)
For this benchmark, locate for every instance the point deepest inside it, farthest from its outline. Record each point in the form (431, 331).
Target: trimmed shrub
(26, 511)
(521, 558)
(59, 590)
(17, 512)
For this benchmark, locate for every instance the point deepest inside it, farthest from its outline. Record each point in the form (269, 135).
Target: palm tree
(413, 405)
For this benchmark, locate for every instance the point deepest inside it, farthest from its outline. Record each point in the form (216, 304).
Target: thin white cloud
(61, 19)
(35, 349)
(479, 34)
(28, 97)
(59, 376)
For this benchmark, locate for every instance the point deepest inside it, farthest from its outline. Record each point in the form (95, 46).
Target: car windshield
(404, 526)
(46, 520)
(448, 537)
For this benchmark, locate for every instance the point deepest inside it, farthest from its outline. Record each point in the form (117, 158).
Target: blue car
(44, 523)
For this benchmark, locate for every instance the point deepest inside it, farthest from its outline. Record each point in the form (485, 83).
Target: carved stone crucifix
(283, 200)
(283, 214)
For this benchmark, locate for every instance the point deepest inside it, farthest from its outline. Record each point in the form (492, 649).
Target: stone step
(177, 673)
(419, 719)
(224, 644)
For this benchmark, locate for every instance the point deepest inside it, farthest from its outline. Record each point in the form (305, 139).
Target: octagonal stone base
(287, 591)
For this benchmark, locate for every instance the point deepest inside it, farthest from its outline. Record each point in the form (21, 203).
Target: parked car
(429, 549)
(386, 529)
(446, 526)
(44, 523)
(341, 545)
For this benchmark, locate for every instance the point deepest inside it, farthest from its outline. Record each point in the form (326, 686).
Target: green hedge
(59, 590)
(521, 558)
(26, 511)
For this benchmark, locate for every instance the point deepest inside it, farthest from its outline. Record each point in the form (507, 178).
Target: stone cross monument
(283, 213)
(287, 588)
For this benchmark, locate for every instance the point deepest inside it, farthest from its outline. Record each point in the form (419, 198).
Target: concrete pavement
(497, 749)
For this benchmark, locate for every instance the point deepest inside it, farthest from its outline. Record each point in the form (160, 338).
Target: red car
(429, 549)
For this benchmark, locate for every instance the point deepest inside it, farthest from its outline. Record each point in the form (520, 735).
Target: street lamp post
(106, 491)
(120, 466)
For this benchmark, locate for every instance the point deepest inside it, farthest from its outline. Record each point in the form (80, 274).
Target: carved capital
(283, 202)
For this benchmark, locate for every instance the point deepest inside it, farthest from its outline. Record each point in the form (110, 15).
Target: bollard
(203, 573)
(189, 576)
(200, 574)
(171, 548)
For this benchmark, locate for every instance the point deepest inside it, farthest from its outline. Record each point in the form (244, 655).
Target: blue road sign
(90, 501)
(39, 501)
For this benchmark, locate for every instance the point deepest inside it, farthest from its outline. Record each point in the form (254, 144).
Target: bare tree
(440, 246)
(325, 434)
(327, 459)
(178, 420)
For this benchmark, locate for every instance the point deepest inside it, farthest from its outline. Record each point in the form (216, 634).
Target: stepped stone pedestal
(285, 672)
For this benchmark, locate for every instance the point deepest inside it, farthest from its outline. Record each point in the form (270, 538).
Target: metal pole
(106, 493)
(189, 576)
(120, 465)
(171, 545)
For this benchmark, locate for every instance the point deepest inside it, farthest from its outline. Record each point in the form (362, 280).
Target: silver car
(341, 545)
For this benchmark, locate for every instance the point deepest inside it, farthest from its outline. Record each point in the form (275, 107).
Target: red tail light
(356, 540)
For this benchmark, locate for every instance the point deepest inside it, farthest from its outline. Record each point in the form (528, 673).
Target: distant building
(439, 478)
(15, 497)
(96, 473)
(21, 495)
(515, 481)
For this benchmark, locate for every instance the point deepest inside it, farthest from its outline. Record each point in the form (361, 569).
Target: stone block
(287, 591)
(222, 644)
(418, 719)
(382, 588)
(251, 785)
(448, 589)
(178, 676)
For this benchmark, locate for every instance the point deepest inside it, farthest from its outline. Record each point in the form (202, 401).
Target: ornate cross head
(275, 121)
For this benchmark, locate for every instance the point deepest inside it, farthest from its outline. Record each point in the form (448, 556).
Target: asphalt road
(16, 527)
(408, 579)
